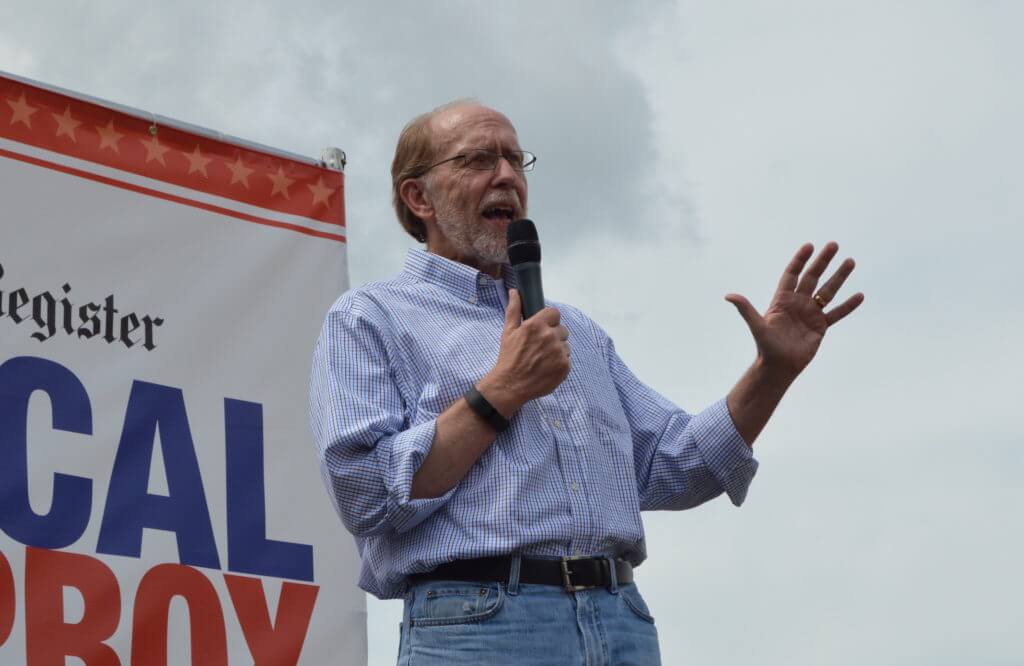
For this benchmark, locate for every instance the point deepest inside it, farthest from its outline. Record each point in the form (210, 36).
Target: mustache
(501, 199)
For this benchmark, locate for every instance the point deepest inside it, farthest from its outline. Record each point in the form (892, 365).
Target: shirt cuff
(729, 458)
(406, 452)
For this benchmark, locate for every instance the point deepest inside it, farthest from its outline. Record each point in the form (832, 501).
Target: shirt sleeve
(680, 460)
(367, 448)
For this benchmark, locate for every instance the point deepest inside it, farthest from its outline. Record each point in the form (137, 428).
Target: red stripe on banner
(168, 197)
(94, 133)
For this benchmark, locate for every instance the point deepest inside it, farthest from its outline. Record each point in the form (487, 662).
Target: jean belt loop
(410, 599)
(613, 585)
(513, 575)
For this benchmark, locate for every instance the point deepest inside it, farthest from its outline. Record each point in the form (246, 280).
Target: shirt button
(472, 299)
(557, 424)
(575, 486)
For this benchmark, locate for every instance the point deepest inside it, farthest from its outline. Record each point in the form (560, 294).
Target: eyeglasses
(483, 159)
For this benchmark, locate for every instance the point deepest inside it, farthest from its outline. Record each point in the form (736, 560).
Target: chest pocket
(590, 385)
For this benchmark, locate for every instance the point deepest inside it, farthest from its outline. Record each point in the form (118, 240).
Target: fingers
(795, 266)
(548, 319)
(548, 322)
(829, 290)
(513, 312)
(848, 306)
(563, 335)
(746, 310)
(549, 316)
(809, 280)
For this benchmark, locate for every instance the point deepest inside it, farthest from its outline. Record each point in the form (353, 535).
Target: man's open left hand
(791, 330)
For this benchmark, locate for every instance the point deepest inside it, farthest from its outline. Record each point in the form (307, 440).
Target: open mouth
(499, 213)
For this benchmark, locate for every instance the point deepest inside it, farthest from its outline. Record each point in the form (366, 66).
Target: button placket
(579, 506)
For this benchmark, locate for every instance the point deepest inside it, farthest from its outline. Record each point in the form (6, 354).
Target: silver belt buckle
(567, 575)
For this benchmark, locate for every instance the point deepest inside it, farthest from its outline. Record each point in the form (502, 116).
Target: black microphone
(524, 255)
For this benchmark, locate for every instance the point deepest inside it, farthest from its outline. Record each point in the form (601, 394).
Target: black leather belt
(571, 573)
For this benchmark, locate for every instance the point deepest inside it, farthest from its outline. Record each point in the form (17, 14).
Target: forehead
(473, 127)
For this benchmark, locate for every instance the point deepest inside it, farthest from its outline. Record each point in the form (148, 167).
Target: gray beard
(484, 244)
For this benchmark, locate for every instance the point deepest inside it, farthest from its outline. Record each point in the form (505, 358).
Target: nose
(504, 174)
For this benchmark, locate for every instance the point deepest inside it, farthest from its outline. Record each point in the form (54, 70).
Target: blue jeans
(453, 622)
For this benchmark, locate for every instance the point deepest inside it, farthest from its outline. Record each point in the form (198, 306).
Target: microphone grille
(523, 245)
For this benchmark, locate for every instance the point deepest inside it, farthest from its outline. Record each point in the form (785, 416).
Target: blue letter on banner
(249, 549)
(71, 412)
(130, 508)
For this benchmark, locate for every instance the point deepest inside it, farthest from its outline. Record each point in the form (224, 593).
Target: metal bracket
(334, 158)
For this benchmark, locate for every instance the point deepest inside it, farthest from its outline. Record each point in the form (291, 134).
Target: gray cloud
(352, 75)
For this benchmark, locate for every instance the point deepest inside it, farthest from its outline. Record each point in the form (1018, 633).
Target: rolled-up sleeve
(680, 460)
(367, 447)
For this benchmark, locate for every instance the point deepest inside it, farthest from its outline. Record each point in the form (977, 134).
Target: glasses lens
(515, 159)
(481, 160)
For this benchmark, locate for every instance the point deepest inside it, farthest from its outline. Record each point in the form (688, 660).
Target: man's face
(474, 208)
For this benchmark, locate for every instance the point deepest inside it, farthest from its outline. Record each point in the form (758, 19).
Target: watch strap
(485, 410)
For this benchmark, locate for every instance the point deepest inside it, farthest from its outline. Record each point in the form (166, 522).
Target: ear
(415, 196)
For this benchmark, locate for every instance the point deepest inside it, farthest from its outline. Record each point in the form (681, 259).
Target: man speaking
(493, 468)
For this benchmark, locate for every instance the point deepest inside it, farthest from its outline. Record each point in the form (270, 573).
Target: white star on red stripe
(281, 183)
(196, 162)
(321, 193)
(239, 172)
(66, 124)
(22, 111)
(154, 150)
(109, 137)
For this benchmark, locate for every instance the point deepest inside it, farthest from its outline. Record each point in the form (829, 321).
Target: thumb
(513, 311)
(746, 310)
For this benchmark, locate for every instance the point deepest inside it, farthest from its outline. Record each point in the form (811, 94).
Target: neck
(445, 250)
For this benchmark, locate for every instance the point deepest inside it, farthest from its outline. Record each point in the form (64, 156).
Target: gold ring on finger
(820, 300)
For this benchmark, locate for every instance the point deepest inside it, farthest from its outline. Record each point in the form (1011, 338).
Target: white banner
(160, 295)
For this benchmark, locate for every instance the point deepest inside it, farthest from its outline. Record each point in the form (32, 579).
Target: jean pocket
(631, 595)
(447, 603)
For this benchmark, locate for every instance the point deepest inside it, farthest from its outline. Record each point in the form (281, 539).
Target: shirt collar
(462, 280)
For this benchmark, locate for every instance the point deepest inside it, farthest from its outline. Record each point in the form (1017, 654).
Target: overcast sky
(685, 151)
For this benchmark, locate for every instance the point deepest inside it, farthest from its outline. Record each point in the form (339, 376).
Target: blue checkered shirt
(569, 476)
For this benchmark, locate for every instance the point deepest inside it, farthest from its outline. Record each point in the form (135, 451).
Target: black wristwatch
(485, 410)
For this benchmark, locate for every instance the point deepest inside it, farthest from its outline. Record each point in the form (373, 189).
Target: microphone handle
(530, 291)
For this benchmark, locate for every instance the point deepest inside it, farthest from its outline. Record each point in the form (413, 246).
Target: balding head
(448, 124)
(459, 180)
(417, 149)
